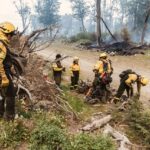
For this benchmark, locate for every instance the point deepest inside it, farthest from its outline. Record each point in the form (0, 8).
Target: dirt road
(140, 64)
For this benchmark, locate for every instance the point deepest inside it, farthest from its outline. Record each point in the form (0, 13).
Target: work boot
(2, 108)
(10, 108)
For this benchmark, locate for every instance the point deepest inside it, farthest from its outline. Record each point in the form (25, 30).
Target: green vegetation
(48, 131)
(12, 134)
(47, 136)
(83, 37)
(89, 142)
(51, 136)
(139, 121)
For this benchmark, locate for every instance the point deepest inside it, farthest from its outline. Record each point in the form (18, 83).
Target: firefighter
(75, 72)
(103, 65)
(57, 69)
(128, 78)
(103, 70)
(101, 84)
(7, 101)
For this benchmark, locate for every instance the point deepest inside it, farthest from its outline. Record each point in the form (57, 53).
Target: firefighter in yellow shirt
(75, 72)
(103, 70)
(7, 100)
(101, 84)
(103, 65)
(57, 70)
(128, 78)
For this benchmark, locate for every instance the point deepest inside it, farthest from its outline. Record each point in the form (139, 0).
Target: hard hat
(144, 81)
(103, 55)
(58, 56)
(7, 27)
(76, 58)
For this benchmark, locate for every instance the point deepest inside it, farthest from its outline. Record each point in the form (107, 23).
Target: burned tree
(98, 9)
(145, 26)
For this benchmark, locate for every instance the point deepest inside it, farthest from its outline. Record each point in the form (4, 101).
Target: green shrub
(89, 142)
(47, 136)
(73, 39)
(139, 121)
(12, 133)
(90, 37)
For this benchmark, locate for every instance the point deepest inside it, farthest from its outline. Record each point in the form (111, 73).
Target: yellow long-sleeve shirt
(100, 66)
(75, 67)
(57, 67)
(3, 52)
(131, 79)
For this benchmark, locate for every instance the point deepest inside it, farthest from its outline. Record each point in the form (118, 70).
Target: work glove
(12, 69)
(4, 81)
(64, 69)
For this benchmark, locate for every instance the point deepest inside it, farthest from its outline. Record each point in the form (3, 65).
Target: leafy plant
(12, 133)
(84, 37)
(89, 142)
(48, 136)
(139, 121)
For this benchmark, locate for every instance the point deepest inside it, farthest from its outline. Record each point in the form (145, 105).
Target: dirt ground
(138, 63)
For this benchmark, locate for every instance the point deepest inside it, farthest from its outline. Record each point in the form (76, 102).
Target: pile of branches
(117, 48)
(42, 91)
(125, 48)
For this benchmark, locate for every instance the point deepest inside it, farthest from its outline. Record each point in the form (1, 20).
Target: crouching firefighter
(7, 99)
(57, 69)
(103, 71)
(75, 72)
(127, 79)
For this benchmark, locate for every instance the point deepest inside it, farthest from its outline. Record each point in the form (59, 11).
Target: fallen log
(97, 123)
(124, 141)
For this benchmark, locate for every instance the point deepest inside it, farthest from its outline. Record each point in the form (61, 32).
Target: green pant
(75, 79)
(7, 102)
(122, 88)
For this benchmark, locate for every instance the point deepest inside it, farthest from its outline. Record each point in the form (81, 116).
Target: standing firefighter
(7, 101)
(101, 84)
(75, 71)
(57, 69)
(127, 79)
(103, 65)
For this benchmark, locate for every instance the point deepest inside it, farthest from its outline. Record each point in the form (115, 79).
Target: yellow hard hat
(76, 58)
(103, 55)
(144, 81)
(7, 27)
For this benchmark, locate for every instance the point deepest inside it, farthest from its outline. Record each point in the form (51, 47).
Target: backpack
(18, 61)
(105, 66)
(126, 72)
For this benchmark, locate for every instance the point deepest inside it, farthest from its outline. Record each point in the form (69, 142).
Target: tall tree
(24, 12)
(137, 10)
(80, 11)
(98, 8)
(145, 26)
(47, 13)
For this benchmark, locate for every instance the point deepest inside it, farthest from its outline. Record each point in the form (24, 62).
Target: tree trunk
(23, 22)
(98, 8)
(145, 26)
(108, 29)
(83, 27)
